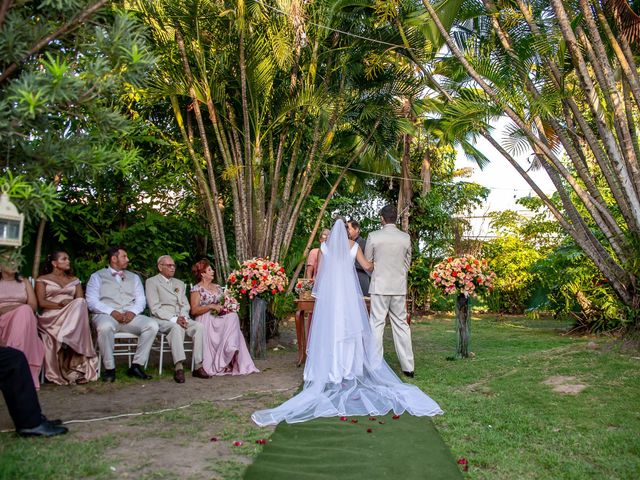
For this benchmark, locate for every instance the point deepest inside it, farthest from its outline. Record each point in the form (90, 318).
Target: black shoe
(109, 375)
(137, 371)
(55, 422)
(45, 429)
(408, 374)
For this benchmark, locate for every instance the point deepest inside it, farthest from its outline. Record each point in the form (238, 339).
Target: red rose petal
(344, 419)
(261, 441)
(381, 422)
(462, 461)
(373, 419)
(354, 420)
(214, 439)
(237, 443)
(395, 417)
(369, 430)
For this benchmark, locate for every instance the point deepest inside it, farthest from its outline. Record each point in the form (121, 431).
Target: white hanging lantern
(11, 222)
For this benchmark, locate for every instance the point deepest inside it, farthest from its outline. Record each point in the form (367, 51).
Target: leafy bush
(574, 286)
(511, 260)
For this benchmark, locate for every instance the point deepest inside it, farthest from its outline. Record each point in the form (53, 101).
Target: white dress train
(344, 374)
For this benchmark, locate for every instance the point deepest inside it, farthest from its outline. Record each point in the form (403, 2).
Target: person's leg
(146, 329)
(401, 332)
(18, 390)
(175, 336)
(378, 317)
(195, 330)
(106, 326)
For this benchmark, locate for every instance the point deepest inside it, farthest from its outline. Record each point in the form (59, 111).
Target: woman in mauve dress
(64, 324)
(18, 324)
(225, 351)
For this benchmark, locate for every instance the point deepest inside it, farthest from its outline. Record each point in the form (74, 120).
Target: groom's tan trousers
(396, 307)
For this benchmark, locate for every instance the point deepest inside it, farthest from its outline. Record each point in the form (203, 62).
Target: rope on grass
(164, 410)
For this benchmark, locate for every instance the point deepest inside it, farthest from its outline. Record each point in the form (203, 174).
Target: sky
(505, 182)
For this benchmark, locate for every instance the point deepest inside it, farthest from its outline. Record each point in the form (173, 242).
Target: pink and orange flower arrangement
(303, 285)
(230, 304)
(258, 277)
(466, 275)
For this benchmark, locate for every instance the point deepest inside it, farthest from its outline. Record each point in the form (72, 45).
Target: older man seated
(169, 306)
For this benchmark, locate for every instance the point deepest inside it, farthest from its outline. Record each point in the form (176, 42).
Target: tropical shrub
(575, 287)
(511, 259)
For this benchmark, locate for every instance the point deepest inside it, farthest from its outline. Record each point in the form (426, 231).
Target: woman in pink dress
(64, 324)
(225, 351)
(18, 324)
(312, 259)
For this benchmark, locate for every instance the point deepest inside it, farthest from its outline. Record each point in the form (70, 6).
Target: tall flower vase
(463, 325)
(258, 328)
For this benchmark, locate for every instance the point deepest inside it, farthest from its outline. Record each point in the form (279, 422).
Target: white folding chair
(124, 345)
(161, 349)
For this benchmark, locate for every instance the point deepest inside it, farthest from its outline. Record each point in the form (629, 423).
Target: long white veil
(344, 373)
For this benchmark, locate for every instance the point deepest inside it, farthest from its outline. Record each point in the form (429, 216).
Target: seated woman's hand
(214, 307)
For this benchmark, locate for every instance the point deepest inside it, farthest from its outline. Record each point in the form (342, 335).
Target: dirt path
(198, 410)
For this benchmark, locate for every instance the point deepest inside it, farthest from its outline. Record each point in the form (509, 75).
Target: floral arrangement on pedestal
(303, 288)
(258, 279)
(465, 276)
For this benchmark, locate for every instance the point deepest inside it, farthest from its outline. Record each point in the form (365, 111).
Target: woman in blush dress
(18, 324)
(64, 324)
(312, 259)
(225, 351)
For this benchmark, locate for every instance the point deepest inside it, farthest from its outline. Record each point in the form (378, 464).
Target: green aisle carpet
(406, 448)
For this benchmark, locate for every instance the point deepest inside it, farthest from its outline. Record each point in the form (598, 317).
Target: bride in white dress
(344, 374)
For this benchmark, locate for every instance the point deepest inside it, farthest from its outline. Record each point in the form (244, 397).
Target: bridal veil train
(344, 373)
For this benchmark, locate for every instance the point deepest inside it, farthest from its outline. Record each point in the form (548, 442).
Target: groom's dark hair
(354, 223)
(389, 213)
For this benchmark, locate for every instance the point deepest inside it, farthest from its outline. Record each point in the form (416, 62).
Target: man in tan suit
(390, 250)
(169, 306)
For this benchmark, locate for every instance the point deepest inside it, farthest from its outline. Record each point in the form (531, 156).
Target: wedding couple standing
(345, 373)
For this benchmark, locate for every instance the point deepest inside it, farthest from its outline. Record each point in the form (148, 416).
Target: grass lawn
(499, 414)
(509, 424)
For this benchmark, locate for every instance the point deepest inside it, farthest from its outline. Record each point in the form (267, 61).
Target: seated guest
(169, 305)
(21, 397)
(225, 351)
(18, 323)
(69, 356)
(312, 258)
(116, 298)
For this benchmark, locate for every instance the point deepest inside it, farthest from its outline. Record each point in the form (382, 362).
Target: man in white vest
(116, 298)
(169, 306)
(390, 250)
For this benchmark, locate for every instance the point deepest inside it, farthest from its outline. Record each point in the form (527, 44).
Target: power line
(331, 29)
(413, 179)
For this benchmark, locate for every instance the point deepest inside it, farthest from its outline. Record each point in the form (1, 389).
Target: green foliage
(511, 259)
(59, 113)
(148, 215)
(420, 287)
(283, 305)
(574, 286)
(34, 199)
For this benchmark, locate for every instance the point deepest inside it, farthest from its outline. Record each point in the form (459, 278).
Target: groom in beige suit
(169, 306)
(390, 250)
